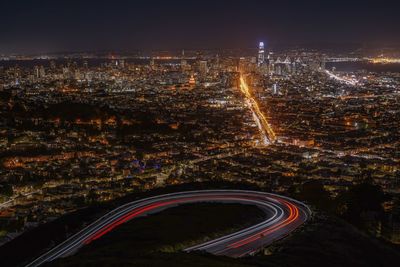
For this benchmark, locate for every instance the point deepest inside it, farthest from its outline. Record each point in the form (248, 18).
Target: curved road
(283, 216)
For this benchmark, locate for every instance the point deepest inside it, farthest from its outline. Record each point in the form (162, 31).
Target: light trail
(341, 79)
(268, 135)
(293, 215)
(283, 215)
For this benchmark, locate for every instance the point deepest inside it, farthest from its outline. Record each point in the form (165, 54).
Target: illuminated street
(267, 134)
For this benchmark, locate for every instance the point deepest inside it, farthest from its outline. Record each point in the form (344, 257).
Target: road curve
(283, 216)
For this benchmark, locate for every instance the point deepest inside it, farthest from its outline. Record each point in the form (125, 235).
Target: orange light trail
(265, 128)
(293, 216)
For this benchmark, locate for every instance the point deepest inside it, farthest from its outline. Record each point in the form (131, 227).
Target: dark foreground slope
(157, 239)
(36, 241)
(328, 241)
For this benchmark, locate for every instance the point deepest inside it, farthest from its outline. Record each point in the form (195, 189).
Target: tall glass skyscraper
(261, 54)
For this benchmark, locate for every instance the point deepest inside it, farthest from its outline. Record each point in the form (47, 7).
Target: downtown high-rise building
(203, 69)
(261, 54)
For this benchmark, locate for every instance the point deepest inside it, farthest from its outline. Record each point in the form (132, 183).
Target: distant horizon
(46, 26)
(322, 46)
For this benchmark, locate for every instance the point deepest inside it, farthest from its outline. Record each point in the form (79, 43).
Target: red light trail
(283, 216)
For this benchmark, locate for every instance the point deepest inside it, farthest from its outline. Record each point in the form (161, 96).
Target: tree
(139, 155)
(92, 196)
(358, 200)
(315, 193)
(6, 189)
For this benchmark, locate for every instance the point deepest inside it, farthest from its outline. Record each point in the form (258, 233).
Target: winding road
(283, 216)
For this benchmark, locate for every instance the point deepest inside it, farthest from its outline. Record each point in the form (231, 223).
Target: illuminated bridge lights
(384, 60)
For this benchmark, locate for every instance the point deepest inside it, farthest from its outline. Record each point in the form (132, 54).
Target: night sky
(86, 25)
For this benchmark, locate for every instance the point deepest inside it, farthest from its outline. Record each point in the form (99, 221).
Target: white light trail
(341, 79)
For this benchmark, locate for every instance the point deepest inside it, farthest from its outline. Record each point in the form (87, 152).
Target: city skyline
(199, 133)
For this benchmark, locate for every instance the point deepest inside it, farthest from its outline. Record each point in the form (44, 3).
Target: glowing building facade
(261, 54)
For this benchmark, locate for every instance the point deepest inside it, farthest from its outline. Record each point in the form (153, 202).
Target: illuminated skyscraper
(261, 54)
(275, 89)
(122, 63)
(183, 61)
(36, 71)
(203, 68)
(323, 63)
(242, 65)
(183, 64)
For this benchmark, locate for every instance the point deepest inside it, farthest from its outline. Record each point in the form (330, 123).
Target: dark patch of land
(329, 241)
(155, 240)
(33, 243)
